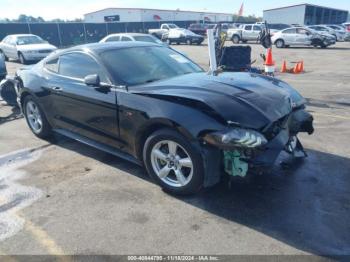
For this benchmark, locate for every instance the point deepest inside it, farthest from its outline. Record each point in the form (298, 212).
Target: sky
(70, 9)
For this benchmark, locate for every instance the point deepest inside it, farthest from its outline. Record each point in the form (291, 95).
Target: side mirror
(92, 80)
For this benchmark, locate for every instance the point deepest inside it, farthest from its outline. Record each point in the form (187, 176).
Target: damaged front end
(246, 148)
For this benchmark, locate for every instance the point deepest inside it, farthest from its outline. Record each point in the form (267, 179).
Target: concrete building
(151, 15)
(305, 14)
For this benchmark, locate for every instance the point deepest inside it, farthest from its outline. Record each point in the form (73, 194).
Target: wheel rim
(171, 163)
(21, 59)
(279, 43)
(34, 117)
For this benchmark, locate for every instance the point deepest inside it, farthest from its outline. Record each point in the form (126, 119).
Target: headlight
(237, 137)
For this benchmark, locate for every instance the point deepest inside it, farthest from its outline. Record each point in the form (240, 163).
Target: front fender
(137, 112)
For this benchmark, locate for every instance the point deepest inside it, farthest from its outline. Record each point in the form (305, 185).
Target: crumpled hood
(250, 100)
(36, 47)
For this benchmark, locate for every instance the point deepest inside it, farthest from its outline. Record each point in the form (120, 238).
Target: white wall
(290, 15)
(147, 15)
(126, 15)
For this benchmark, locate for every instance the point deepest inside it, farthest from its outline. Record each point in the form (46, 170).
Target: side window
(248, 27)
(113, 39)
(12, 41)
(302, 31)
(125, 38)
(256, 28)
(78, 65)
(5, 40)
(52, 65)
(289, 31)
(165, 27)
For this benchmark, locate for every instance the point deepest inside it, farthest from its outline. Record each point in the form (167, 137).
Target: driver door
(86, 110)
(303, 37)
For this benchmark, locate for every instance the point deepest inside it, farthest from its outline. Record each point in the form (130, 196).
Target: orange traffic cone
(269, 63)
(296, 68)
(302, 66)
(284, 67)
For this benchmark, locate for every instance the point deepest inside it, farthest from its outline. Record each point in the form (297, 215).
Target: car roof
(130, 34)
(18, 35)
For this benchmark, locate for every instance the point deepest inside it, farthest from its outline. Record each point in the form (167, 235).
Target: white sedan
(25, 47)
(301, 36)
(131, 37)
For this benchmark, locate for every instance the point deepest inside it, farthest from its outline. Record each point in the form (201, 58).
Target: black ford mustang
(153, 106)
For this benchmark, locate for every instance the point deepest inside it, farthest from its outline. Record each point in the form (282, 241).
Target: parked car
(180, 35)
(339, 35)
(163, 111)
(301, 36)
(347, 26)
(25, 48)
(3, 71)
(244, 33)
(164, 29)
(124, 37)
(199, 29)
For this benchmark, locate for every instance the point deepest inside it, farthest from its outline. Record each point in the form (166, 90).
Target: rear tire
(36, 118)
(173, 162)
(279, 43)
(3, 54)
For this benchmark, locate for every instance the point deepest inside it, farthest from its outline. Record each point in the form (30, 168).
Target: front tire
(279, 43)
(189, 42)
(21, 58)
(35, 117)
(173, 162)
(235, 39)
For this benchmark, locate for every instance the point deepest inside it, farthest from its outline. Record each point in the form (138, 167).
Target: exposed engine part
(295, 148)
(234, 165)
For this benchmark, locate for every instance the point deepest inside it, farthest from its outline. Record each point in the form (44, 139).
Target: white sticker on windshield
(179, 58)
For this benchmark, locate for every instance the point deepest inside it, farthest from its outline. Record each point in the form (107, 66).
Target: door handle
(56, 88)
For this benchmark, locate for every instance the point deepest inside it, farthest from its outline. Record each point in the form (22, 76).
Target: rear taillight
(348, 28)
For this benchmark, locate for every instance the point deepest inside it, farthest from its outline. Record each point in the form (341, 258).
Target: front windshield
(319, 29)
(29, 40)
(173, 26)
(139, 65)
(146, 38)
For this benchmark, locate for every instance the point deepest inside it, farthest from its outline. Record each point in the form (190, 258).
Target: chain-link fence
(68, 34)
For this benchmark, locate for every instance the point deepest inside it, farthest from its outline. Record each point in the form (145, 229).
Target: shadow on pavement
(14, 114)
(305, 204)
